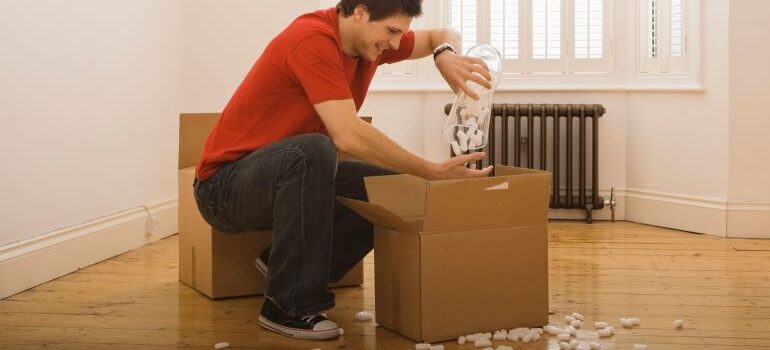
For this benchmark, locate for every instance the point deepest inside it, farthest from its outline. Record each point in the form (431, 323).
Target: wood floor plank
(720, 287)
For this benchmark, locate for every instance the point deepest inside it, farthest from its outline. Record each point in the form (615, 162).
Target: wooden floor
(720, 287)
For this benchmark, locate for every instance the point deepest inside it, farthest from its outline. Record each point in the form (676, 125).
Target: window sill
(397, 87)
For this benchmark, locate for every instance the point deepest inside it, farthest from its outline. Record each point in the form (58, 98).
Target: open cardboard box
(458, 257)
(215, 263)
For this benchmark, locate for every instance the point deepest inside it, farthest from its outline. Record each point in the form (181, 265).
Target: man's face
(378, 36)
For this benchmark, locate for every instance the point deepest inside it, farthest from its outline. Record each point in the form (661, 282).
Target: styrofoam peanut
(461, 340)
(499, 336)
(600, 324)
(583, 335)
(463, 113)
(436, 347)
(640, 347)
(504, 347)
(564, 336)
(578, 316)
(462, 139)
(678, 324)
(569, 319)
(362, 316)
(564, 345)
(576, 323)
(481, 343)
(583, 346)
(476, 139)
(222, 345)
(472, 144)
(422, 346)
(606, 332)
(634, 321)
(482, 116)
(456, 148)
(512, 336)
(626, 323)
(595, 345)
(527, 338)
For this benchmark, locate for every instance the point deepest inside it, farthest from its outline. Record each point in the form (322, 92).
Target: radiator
(560, 138)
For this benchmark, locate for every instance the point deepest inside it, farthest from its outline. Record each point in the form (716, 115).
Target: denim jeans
(290, 186)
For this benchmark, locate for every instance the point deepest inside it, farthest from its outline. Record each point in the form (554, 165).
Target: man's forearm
(371, 145)
(440, 36)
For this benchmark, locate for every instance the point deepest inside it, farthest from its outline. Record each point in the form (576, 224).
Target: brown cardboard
(215, 263)
(460, 256)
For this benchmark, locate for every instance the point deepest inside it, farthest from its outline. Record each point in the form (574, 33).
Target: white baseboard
(681, 212)
(34, 261)
(748, 219)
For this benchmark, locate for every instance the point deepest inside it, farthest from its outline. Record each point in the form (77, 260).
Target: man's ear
(361, 13)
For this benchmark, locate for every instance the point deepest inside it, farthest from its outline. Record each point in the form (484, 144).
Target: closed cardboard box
(458, 257)
(215, 263)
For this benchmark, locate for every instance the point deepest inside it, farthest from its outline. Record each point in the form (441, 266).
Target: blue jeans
(290, 186)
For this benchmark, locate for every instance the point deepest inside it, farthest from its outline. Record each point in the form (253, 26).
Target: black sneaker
(311, 327)
(261, 262)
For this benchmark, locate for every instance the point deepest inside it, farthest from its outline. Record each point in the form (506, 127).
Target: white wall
(749, 178)
(89, 98)
(221, 40)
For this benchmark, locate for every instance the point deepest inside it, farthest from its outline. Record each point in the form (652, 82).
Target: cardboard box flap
(403, 194)
(194, 128)
(378, 215)
(505, 170)
(493, 202)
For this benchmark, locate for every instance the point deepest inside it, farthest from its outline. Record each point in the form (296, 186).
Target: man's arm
(427, 40)
(358, 138)
(456, 68)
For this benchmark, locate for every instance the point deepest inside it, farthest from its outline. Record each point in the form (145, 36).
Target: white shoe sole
(299, 333)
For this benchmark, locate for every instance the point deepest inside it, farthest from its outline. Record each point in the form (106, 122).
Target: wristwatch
(441, 48)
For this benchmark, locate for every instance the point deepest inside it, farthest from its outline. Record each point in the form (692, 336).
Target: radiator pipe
(598, 202)
(530, 138)
(543, 127)
(556, 200)
(504, 136)
(582, 164)
(517, 140)
(570, 164)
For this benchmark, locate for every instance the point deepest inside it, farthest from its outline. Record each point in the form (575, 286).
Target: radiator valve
(610, 202)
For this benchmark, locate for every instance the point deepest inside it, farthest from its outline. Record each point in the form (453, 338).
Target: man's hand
(458, 69)
(454, 168)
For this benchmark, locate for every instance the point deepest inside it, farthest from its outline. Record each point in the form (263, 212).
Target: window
(663, 38)
(539, 36)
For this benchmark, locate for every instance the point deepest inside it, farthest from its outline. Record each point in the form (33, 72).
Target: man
(271, 160)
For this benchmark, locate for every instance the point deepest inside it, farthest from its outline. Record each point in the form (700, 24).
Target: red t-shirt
(304, 65)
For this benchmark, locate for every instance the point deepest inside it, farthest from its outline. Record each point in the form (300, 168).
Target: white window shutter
(463, 17)
(662, 37)
(591, 51)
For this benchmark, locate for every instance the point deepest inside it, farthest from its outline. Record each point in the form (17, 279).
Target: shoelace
(309, 318)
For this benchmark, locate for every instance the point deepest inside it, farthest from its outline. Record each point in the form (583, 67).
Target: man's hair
(379, 9)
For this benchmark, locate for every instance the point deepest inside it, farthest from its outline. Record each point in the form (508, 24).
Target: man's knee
(320, 146)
